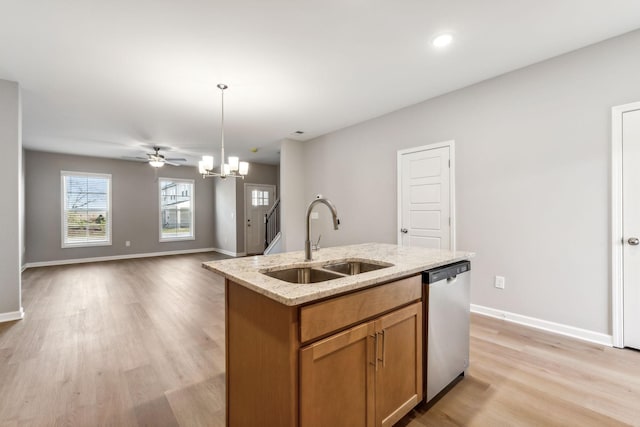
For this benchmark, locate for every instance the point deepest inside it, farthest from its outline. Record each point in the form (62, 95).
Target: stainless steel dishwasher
(447, 290)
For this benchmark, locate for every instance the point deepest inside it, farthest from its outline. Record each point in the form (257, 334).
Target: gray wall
(292, 192)
(135, 207)
(532, 158)
(10, 215)
(23, 236)
(258, 174)
(225, 217)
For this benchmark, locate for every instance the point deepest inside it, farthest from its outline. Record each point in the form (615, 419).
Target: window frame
(192, 236)
(63, 211)
(260, 197)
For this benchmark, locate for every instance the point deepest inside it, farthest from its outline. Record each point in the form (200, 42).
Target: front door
(257, 201)
(631, 226)
(426, 186)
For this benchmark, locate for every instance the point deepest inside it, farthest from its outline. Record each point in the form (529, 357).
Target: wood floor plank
(201, 404)
(141, 342)
(150, 404)
(102, 343)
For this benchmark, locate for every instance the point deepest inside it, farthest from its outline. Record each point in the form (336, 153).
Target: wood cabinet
(352, 360)
(369, 375)
(399, 375)
(337, 380)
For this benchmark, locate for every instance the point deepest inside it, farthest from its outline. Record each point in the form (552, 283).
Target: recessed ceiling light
(442, 40)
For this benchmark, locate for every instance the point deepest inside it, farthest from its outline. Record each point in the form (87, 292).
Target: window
(86, 209)
(176, 209)
(259, 198)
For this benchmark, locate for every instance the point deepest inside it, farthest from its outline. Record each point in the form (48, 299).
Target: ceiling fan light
(201, 167)
(243, 168)
(233, 163)
(226, 169)
(156, 163)
(207, 162)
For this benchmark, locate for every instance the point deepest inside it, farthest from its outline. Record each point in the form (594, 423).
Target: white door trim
(452, 185)
(617, 249)
(244, 218)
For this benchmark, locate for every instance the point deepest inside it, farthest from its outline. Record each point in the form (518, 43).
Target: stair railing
(272, 223)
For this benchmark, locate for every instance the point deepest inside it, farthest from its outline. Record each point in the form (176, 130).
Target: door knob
(633, 241)
(404, 230)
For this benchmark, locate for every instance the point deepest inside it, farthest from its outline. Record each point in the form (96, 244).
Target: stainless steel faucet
(336, 222)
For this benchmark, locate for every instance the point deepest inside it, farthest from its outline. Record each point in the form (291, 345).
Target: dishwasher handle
(448, 272)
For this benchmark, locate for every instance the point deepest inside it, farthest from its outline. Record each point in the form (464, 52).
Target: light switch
(315, 215)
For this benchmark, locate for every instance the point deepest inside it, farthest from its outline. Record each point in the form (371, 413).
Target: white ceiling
(109, 78)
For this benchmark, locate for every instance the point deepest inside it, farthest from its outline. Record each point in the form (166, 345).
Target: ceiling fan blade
(157, 157)
(135, 159)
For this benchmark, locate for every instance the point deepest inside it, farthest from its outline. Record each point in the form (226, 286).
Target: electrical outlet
(499, 282)
(127, 243)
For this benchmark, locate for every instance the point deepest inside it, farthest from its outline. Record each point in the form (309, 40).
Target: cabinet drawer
(325, 317)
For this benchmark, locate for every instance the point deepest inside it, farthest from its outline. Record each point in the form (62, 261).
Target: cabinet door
(399, 364)
(337, 380)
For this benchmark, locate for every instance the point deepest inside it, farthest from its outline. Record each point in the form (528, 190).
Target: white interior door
(631, 226)
(257, 201)
(425, 212)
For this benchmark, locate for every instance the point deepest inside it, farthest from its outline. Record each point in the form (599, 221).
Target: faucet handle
(316, 245)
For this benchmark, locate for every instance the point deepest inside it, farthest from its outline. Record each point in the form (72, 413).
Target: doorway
(426, 196)
(258, 198)
(625, 219)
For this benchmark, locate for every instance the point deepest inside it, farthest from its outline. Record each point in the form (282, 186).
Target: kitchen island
(344, 349)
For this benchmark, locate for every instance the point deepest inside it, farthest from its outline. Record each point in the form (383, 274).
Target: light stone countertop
(406, 261)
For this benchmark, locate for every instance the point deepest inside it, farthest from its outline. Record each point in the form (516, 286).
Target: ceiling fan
(158, 160)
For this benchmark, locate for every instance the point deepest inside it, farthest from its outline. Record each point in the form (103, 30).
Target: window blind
(86, 209)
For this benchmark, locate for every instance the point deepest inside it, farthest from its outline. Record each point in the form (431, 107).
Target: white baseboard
(13, 315)
(545, 325)
(226, 252)
(115, 257)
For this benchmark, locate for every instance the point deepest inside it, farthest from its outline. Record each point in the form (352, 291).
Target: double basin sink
(328, 271)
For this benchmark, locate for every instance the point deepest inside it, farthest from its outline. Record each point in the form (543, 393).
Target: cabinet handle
(383, 360)
(375, 346)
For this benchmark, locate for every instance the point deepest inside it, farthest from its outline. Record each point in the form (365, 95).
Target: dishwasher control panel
(446, 272)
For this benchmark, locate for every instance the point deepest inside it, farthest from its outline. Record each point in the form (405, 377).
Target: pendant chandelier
(234, 168)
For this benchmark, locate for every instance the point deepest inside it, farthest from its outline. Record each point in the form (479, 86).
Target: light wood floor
(141, 343)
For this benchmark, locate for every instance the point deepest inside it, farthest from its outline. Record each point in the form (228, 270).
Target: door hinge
(449, 163)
